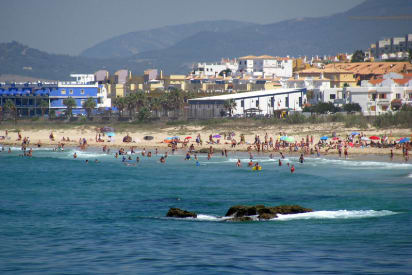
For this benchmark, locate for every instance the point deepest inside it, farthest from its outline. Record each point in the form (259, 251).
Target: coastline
(159, 134)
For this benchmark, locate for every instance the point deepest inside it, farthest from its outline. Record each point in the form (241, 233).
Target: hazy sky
(70, 26)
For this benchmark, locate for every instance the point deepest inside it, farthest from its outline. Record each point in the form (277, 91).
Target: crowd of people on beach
(267, 144)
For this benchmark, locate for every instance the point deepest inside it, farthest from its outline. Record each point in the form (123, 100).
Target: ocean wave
(339, 214)
(364, 164)
(316, 215)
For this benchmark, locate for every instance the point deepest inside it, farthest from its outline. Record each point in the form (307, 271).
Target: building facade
(262, 103)
(27, 97)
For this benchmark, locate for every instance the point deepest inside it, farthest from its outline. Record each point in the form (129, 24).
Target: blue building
(28, 96)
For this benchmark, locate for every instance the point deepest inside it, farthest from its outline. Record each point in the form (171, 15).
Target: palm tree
(70, 103)
(44, 105)
(229, 105)
(10, 108)
(120, 103)
(89, 105)
(176, 100)
(156, 105)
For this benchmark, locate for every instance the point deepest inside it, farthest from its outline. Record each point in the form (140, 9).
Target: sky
(71, 26)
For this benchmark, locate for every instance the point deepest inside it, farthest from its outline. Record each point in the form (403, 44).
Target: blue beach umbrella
(404, 140)
(355, 133)
(110, 134)
(283, 138)
(324, 138)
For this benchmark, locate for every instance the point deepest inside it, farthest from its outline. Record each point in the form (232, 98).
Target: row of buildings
(391, 48)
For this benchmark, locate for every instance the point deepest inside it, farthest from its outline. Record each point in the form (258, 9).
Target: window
(332, 96)
(82, 92)
(242, 104)
(63, 92)
(287, 102)
(82, 102)
(71, 92)
(257, 103)
(300, 101)
(272, 102)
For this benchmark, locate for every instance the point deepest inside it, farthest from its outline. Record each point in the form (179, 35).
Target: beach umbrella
(351, 144)
(188, 137)
(335, 138)
(168, 138)
(355, 134)
(107, 129)
(324, 138)
(283, 138)
(290, 139)
(375, 138)
(110, 134)
(217, 136)
(404, 140)
(175, 137)
(365, 138)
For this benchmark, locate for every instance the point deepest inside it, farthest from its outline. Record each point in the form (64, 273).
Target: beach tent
(324, 138)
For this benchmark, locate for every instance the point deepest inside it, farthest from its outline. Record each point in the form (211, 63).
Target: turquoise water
(60, 215)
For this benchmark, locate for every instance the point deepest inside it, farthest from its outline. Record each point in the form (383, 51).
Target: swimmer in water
(75, 155)
(162, 159)
(208, 156)
(137, 159)
(9, 150)
(301, 158)
(281, 155)
(391, 154)
(96, 160)
(187, 156)
(238, 163)
(87, 161)
(123, 159)
(250, 164)
(280, 162)
(116, 155)
(292, 169)
(130, 158)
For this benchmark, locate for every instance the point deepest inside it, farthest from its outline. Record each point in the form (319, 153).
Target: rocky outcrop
(265, 212)
(240, 219)
(179, 213)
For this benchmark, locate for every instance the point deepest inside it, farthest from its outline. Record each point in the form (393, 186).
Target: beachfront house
(28, 97)
(375, 96)
(257, 103)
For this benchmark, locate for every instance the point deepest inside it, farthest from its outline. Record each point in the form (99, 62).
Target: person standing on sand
(345, 152)
(391, 154)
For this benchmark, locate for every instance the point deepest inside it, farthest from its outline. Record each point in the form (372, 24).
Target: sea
(60, 215)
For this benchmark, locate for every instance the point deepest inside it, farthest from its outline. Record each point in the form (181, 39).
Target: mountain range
(175, 48)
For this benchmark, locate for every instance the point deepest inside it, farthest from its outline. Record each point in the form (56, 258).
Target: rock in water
(240, 219)
(265, 212)
(179, 213)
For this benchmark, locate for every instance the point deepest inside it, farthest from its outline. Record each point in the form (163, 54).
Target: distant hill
(305, 36)
(156, 39)
(343, 32)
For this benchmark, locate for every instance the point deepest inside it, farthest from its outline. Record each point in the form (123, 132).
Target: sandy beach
(159, 134)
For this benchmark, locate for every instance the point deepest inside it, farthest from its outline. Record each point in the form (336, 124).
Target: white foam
(410, 175)
(339, 214)
(365, 164)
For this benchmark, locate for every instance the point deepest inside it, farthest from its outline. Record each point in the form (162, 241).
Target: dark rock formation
(240, 219)
(265, 212)
(179, 213)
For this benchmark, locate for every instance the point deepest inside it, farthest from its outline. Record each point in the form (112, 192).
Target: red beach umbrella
(188, 137)
(374, 138)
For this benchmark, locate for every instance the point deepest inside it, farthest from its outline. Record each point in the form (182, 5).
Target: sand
(159, 134)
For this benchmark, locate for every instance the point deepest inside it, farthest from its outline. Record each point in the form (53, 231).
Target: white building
(213, 69)
(375, 96)
(267, 102)
(265, 66)
(315, 84)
